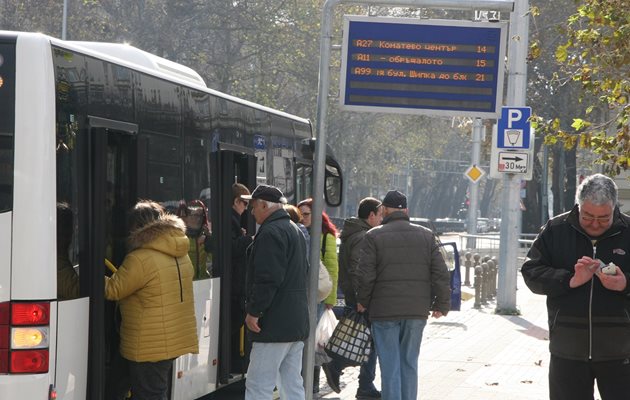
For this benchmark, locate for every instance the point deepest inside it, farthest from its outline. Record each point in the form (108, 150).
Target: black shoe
(332, 377)
(369, 394)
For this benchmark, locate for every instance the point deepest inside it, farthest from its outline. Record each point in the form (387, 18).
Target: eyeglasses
(245, 202)
(601, 220)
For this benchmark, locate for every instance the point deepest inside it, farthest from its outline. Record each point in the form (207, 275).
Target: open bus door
(234, 164)
(106, 190)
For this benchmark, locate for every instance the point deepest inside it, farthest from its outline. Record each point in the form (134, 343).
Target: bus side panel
(5, 256)
(34, 270)
(72, 348)
(195, 375)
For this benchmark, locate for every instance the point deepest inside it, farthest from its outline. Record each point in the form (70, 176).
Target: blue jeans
(275, 364)
(398, 347)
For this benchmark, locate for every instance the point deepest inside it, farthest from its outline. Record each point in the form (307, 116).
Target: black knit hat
(395, 199)
(266, 192)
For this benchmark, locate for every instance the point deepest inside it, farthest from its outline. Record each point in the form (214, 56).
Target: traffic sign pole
(511, 211)
(473, 187)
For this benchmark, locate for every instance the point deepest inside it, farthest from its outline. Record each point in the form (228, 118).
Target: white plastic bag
(324, 284)
(325, 328)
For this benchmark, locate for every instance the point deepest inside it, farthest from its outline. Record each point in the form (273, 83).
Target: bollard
(468, 265)
(485, 284)
(492, 270)
(477, 287)
(495, 260)
(476, 257)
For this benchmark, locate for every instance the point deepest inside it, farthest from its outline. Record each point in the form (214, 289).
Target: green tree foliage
(596, 55)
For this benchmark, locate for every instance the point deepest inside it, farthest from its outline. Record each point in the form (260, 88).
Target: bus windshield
(7, 122)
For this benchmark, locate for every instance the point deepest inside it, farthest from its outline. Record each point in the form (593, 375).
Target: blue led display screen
(440, 67)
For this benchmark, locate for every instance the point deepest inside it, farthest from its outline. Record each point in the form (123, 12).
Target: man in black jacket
(277, 311)
(354, 229)
(588, 306)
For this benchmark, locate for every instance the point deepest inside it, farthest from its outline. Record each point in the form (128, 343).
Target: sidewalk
(474, 354)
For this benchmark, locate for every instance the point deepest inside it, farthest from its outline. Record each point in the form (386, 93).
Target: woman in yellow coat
(154, 289)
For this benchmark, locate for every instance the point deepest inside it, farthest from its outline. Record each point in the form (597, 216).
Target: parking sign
(513, 128)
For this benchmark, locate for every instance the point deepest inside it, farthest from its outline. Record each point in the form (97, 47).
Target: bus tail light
(24, 337)
(30, 313)
(29, 361)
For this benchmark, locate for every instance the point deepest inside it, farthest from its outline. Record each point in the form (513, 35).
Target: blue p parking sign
(513, 128)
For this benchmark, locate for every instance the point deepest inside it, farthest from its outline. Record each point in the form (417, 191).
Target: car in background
(426, 222)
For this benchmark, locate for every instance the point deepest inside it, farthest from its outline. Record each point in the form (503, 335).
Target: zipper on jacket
(179, 274)
(590, 308)
(594, 242)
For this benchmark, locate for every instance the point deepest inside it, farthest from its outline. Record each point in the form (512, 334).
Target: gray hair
(271, 205)
(597, 189)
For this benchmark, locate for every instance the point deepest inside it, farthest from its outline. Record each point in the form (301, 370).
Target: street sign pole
(473, 187)
(511, 203)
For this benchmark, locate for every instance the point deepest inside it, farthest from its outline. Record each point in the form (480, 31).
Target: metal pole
(64, 20)
(511, 204)
(320, 151)
(544, 210)
(473, 187)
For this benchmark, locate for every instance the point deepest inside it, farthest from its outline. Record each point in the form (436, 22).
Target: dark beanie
(395, 199)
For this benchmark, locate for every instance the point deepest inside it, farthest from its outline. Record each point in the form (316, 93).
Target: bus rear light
(29, 361)
(24, 337)
(30, 313)
(33, 337)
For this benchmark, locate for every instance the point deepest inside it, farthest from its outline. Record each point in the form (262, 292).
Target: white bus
(98, 126)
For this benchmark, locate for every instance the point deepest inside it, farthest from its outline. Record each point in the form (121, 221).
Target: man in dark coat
(354, 229)
(277, 310)
(588, 306)
(402, 278)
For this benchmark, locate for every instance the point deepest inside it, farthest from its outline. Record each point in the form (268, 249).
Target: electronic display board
(423, 66)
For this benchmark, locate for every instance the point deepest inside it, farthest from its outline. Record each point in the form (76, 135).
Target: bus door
(235, 165)
(107, 189)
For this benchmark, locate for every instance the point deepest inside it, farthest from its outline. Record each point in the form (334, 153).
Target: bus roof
(134, 58)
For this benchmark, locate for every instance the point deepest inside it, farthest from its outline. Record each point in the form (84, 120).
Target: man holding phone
(581, 262)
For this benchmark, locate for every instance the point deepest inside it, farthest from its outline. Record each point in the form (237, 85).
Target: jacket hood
(352, 226)
(166, 234)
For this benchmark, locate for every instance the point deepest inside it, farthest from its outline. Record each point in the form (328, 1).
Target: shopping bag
(323, 332)
(350, 343)
(324, 284)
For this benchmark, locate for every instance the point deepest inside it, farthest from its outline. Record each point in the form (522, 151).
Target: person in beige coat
(154, 289)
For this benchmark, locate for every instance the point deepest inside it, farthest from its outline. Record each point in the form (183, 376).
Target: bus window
(332, 183)
(7, 122)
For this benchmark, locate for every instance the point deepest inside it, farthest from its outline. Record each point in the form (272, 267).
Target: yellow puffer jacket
(154, 289)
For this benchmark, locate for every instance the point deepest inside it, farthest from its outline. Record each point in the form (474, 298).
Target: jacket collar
(396, 215)
(276, 215)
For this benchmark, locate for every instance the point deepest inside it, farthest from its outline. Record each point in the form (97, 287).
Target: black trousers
(574, 380)
(150, 380)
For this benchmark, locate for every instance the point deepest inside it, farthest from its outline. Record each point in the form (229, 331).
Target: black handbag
(350, 343)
